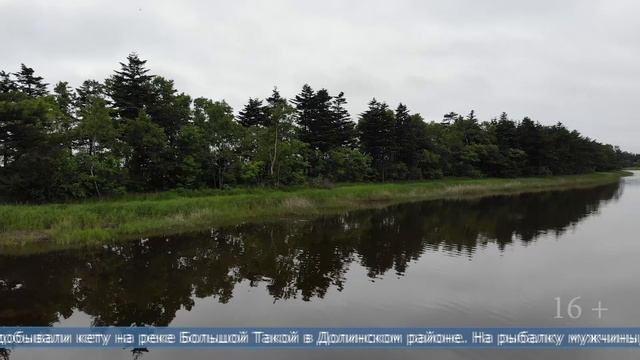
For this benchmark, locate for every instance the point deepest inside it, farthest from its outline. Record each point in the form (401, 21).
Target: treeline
(135, 132)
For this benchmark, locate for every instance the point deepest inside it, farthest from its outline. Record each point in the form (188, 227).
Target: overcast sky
(553, 60)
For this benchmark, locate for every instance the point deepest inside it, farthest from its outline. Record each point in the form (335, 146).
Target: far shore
(34, 228)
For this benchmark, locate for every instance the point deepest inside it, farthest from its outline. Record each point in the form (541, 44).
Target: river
(492, 261)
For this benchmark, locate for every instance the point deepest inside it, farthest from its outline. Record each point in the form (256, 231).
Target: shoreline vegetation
(39, 228)
(135, 133)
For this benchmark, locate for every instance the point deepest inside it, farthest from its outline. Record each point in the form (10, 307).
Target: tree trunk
(220, 179)
(95, 183)
(275, 151)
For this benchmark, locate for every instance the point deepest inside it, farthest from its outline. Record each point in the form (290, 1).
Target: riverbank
(60, 225)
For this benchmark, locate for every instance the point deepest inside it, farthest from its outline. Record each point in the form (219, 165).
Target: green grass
(143, 215)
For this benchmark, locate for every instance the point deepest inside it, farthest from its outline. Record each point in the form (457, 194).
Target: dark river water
(494, 261)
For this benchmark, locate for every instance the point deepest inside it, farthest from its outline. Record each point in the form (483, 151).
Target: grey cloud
(569, 61)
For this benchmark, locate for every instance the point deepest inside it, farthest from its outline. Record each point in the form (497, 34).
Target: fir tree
(130, 87)
(89, 89)
(344, 128)
(30, 84)
(376, 129)
(253, 114)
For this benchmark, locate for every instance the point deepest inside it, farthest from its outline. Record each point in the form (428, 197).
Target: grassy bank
(61, 225)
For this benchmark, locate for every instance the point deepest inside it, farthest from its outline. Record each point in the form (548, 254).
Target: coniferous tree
(470, 129)
(450, 118)
(305, 103)
(510, 163)
(529, 137)
(505, 132)
(402, 141)
(253, 114)
(30, 84)
(65, 97)
(376, 129)
(130, 87)
(323, 121)
(89, 89)
(344, 128)
(138, 132)
(7, 84)
(321, 131)
(410, 141)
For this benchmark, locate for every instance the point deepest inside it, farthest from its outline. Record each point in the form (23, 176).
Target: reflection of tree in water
(147, 282)
(4, 354)
(298, 257)
(463, 225)
(138, 352)
(37, 290)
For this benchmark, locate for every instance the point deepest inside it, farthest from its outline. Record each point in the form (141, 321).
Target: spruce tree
(320, 133)
(254, 113)
(410, 139)
(130, 87)
(402, 119)
(323, 121)
(376, 129)
(505, 132)
(274, 103)
(306, 111)
(344, 128)
(530, 140)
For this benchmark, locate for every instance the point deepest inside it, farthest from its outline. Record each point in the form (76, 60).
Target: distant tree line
(135, 132)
